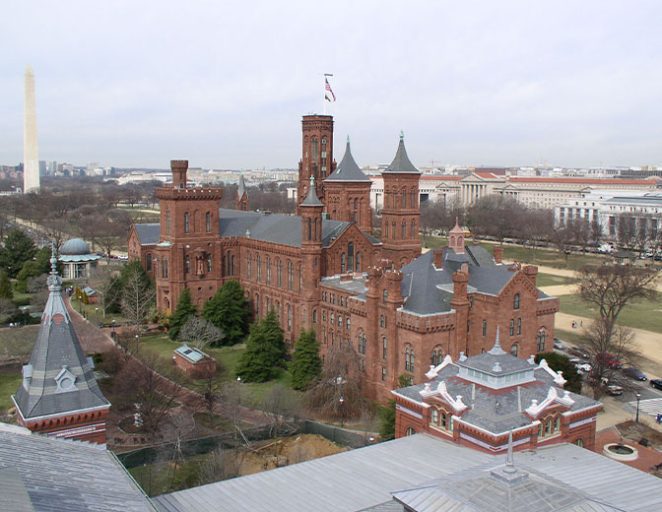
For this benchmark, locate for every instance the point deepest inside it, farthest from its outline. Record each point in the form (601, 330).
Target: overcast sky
(224, 84)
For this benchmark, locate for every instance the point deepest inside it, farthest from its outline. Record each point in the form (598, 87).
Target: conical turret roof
(401, 162)
(59, 378)
(347, 169)
(241, 190)
(311, 198)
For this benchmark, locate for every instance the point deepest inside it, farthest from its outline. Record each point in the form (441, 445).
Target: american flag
(328, 93)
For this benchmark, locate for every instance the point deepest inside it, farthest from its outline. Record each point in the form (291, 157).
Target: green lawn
(10, 379)
(552, 280)
(641, 314)
(17, 342)
(94, 312)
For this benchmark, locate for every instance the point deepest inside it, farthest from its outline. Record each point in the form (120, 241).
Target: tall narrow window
(210, 264)
(187, 264)
(268, 270)
(289, 317)
(541, 338)
(384, 347)
(519, 326)
(258, 267)
(290, 275)
(148, 263)
(249, 262)
(484, 327)
(324, 157)
(404, 199)
(187, 222)
(279, 273)
(516, 301)
(511, 329)
(358, 262)
(208, 222)
(350, 256)
(412, 229)
(164, 267)
(342, 263)
(403, 229)
(167, 222)
(514, 349)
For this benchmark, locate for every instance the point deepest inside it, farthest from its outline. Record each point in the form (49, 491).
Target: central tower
(317, 155)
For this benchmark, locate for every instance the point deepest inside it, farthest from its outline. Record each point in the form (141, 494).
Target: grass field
(552, 280)
(17, 342)
(641, 314)
(10, 379)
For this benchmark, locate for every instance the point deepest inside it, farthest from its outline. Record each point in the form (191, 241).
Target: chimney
(531, 271)
(178, 169)
(498, 254)
(439, 257)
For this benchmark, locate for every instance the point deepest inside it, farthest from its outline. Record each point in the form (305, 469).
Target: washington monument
(30, 148)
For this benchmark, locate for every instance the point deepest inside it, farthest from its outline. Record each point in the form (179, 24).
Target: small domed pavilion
(77, 259)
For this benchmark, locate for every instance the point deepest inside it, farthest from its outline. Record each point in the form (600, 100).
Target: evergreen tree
(306, 364)
(265, 351)
(185, 309)
(228, 310)
(6, 291)
(41, 264)
(561, 362)
(17, 248)
(387, 421)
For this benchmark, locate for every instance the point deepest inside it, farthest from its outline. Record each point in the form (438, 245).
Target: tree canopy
(265, 351)
(306, 364)
(6, 291)
(228, 310)
(184, 310)
(561, 362)
(17, 248)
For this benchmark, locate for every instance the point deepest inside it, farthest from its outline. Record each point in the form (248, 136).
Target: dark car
(635, 373)
(657, 383)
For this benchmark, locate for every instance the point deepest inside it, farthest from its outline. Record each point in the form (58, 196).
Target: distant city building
(30, 147)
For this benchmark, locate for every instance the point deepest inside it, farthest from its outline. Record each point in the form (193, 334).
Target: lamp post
(636, 418)
(112, 330)
(342, 415)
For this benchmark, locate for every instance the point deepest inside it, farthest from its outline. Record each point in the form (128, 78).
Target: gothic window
(332, 318)
(362, 342)
(257, 305)
(514, 349)
(279, 273)
(403, 230)
(519, 326)
(187, 264)
(348, 323)
(324, 156)
(208, 222)
(148, 262)
(511, 328)
(404, 198)
(410, 430)
(394, 234)
(164, 267)
(314, 149)
(290, 275)
(314, 316)
(268, 270)
(350, 256)
(384, 296)
(385, 230)
(516, 301)
(358, 262)
(437, 355)
(232, 264)
(289, 317)
(248, 266)
(342, 263)
(258, 267)
(187, 222)
(384, 347)
(412, 229)
(412, 198)
(409, 358)
(383, 373)
(382, 321)
(540, 340)
(340, 321)
(484, 327)
(210, 264)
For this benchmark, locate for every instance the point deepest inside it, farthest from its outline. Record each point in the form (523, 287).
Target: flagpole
(324, 94)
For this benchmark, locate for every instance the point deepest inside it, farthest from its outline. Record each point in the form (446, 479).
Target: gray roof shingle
(347, 169)
(401, 162)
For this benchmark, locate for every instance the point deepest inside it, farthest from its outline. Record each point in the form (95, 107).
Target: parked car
(635, 373)
(609, 360)
(558, 344)
(657, 383)
(583, 367)
(577, 352)
(614, 390)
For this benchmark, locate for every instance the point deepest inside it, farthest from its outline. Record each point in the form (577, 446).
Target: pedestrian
(658, 418)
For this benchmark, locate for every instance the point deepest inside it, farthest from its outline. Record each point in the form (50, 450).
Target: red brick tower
(187, 255)
(311, 252)
(242, 195)
(401, 213)
(347, 193)
(317, 155)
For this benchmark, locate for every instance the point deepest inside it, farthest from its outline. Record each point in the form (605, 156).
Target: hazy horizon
(514, 83)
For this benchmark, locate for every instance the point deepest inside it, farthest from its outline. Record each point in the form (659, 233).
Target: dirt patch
(285, 451)
(636, 431)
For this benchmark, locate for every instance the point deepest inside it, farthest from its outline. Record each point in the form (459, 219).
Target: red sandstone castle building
(325, 268)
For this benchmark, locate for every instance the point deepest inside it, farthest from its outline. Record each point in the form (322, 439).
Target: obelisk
(30, 148)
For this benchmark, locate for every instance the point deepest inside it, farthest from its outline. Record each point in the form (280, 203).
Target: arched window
(394, 233)
(289, 317)
(409, 358)
(434, 417)
(167, 222)
(384, 296)
(210, 264)
(362, 342)
(342, 263)
(257, 304)
(310, 228)
(350, 256)
(268, 261)
(148, 262)
(541, 338)
(382, 321)
(403, 230)
(196, 221)
(404, 198)
(164, 267)
(340, 321)
(208, 222)
(384, 347)
(516, 301)
(187, 264)
(519, 326)
(410, 430)
(412, 229)
(484, 327)
(437, 355)
(511, 327)
(258, 267)
(514, 349)
(358, 262)
(314, 316)
(348, 323)
(187, 222)
(412, 198)
(248, 266)
(279, 273)
(231, 264)
(290, 275)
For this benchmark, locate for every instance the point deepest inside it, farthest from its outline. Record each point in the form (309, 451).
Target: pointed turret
(401, 162)
(496, 350)
(348, 169)
(456, 238)
(312, 199)
(59, 393)
(242, 195)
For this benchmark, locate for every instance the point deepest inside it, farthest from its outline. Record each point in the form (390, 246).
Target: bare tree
(220, 464)
(200, 333)
(137, 298)
(230, 401)
(279, 404)
(337, 395)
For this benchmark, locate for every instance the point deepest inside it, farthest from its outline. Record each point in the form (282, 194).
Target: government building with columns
(327, 269)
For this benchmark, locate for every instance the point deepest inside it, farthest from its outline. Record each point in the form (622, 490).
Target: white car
(583, 367)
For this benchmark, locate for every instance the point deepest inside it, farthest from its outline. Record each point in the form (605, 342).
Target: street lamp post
(112, 330)
(342, 415)
(636, 418)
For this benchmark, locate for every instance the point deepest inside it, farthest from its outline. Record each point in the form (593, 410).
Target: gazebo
(76, 258)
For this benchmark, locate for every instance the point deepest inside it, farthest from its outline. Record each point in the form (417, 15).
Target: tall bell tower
(317, 155)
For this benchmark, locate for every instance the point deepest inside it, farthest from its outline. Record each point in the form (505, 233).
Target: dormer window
(65, 380)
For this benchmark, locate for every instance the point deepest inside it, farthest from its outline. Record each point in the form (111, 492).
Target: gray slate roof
(56, 354)
(401, 162)
(363, 479)
(312, 199)
(496, 411)
(429, 290)
(148, 234)
(43, 474)
(347, 169)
